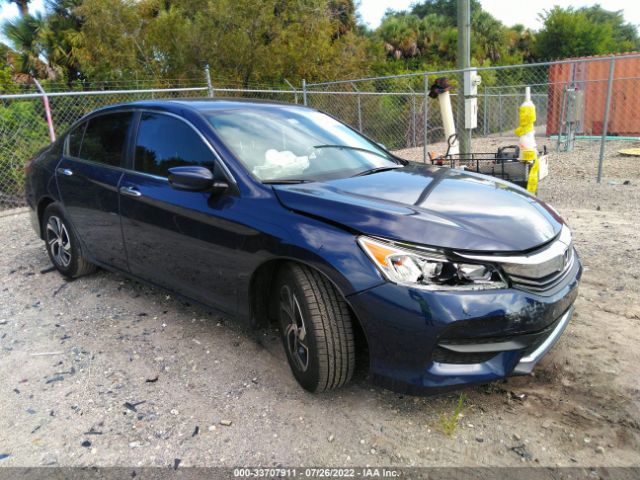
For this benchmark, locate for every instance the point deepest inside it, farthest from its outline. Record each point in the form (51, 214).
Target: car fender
(329, 249)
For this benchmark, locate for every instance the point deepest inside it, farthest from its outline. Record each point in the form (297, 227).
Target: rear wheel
(62, 244)
(316, 329)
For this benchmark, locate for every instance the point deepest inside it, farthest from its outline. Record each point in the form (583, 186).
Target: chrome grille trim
(537, 271)
(546, 283)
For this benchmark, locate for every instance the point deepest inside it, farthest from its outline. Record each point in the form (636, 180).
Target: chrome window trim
(148, 175)
(217, 156)
(550, 259)
(97, 164)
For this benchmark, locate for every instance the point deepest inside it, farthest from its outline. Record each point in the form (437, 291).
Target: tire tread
(331, 323)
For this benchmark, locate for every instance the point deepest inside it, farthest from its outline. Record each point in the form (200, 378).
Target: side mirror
(195, 179)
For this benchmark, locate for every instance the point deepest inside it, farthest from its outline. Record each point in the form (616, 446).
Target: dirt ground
(104, 371)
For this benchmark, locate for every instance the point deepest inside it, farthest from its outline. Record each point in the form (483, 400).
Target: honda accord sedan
(265, 212)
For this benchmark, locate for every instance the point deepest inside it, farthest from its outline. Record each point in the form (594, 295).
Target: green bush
(23, 131)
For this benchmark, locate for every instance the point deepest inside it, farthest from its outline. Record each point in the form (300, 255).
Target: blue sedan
(274, 212)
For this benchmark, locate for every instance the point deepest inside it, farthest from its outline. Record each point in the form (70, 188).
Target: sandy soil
(104, 371)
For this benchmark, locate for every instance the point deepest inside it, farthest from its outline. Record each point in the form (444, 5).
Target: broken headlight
(429, 270)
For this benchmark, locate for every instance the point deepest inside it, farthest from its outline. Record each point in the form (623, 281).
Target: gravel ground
(104, 371)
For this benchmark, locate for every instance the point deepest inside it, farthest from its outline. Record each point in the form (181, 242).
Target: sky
(509, 12)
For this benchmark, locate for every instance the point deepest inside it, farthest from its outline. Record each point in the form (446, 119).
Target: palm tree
(24, 35)
(23, 6)
(60, 35)
(490, 35)
(400, 35)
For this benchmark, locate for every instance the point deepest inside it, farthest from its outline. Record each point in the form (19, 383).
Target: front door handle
(65, 171)
(130, 191)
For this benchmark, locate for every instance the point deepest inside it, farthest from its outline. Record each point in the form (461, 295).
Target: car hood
(432, 206)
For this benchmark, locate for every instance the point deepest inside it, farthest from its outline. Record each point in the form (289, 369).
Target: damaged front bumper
(425, 342)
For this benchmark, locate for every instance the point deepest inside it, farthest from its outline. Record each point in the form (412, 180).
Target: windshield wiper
(375, 170)
(358, 149)
(285, 181)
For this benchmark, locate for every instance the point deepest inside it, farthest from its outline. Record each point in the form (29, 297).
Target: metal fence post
(425, 120)
(207, 75)
(500, 110)
(607, 107)
(47, 110)
(359, 107)
(414, 120)
(304, 91)
(485, 108)
(295, 91)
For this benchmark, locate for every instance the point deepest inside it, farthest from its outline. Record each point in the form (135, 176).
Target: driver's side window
(164, 142)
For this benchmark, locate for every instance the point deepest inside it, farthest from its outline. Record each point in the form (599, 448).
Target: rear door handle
(65, 171)
(130, 191)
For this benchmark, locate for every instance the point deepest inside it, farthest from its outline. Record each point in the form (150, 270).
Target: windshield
(295, 144)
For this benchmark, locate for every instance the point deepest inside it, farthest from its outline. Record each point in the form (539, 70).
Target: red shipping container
(591, 74)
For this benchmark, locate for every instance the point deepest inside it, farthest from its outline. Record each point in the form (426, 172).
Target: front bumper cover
(508, 331)
(526, 363)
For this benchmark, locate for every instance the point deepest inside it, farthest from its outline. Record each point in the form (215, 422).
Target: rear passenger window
(165, 142)
(105, 138)
(75, 140)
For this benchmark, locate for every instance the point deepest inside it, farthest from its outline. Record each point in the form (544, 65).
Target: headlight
(429, 270)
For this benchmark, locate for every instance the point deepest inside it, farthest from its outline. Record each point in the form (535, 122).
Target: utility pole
(464, 62)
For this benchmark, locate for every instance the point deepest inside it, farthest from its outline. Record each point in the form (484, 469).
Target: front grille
(548, 282)
(542, 271)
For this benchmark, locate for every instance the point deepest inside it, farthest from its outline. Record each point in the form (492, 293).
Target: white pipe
(447, 121)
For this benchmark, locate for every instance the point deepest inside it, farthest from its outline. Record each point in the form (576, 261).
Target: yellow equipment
(527, 140)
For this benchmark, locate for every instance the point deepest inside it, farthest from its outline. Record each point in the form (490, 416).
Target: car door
(180, 240)
(88, 176)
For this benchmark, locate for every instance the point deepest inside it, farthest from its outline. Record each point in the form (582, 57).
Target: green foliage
(242, 40)
(7, 85)
(62, 27)
(22, 133)
(568, 32)
(449, 423)
(86, 42)
(426, 37)
(24, 34)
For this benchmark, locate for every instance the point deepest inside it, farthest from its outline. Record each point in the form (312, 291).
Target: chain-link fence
(24, 129)
(578, 100)
(589, 99)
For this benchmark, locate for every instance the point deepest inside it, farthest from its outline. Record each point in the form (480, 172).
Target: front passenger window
(165, 142)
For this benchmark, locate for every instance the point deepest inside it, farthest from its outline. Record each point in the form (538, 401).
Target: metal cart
(503, 164)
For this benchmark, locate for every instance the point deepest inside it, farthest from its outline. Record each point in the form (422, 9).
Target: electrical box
(575, 105)
(471, 82)
(470, 113)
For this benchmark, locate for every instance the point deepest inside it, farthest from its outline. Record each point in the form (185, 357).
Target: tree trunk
(23, 6)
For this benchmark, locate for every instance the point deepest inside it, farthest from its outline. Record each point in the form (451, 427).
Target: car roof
(203, 104)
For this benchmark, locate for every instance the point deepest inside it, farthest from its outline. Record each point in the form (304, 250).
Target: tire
(62, 244)
(316, 329)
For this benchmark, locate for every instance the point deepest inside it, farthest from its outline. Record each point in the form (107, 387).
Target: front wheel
(316, 329)
(62, 245)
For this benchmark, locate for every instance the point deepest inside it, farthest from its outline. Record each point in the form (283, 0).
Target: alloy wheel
(59, 241)
(295, 332)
